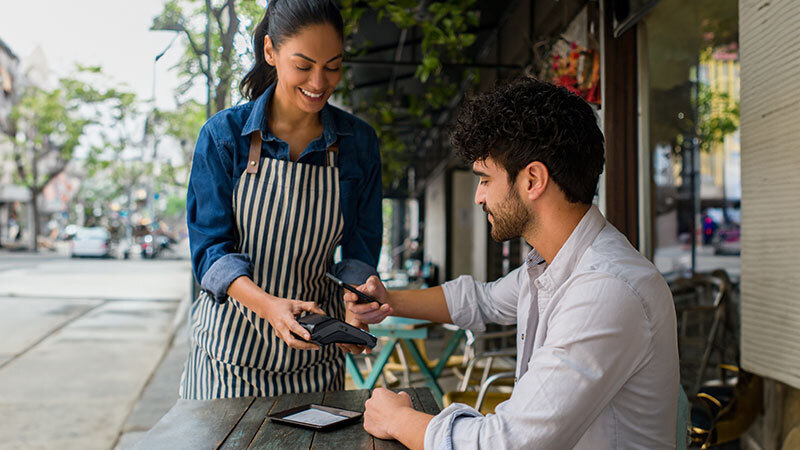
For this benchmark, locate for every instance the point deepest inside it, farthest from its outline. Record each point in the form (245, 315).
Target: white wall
(464, 236)
(435, 242)
(770, 131)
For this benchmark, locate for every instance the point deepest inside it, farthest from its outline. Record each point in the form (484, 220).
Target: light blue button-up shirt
(597, 354)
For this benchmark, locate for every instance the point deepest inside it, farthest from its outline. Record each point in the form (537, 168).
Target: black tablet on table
(315, 417)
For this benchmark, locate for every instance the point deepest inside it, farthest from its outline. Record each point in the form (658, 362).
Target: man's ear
(534, 179)
(269, 51)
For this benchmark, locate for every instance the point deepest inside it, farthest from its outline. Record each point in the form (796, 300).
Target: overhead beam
(369, 84)
(376, 63)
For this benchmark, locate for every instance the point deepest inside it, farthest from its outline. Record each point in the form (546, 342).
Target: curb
(132, 428)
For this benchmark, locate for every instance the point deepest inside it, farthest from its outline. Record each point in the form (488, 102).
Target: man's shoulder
(612, 257)
(613, 254)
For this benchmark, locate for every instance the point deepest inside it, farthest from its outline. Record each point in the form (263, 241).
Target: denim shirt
(220, 158)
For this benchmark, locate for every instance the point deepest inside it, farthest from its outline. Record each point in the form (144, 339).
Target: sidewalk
(161, 390)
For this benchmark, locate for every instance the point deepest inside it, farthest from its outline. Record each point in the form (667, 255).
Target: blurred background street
(80, 340)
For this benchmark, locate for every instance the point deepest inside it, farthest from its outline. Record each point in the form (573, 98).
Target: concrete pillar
(434, 245)
(461, 237)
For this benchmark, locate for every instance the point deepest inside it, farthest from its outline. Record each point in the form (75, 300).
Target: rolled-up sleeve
(439, 434)
(472, 304)
(591, 349)
(365, 243)
(353, 271)
(209, 218)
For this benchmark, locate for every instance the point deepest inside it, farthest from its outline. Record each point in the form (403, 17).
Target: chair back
(701, 305)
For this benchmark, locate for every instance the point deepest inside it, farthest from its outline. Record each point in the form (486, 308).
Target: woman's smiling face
(309, 66)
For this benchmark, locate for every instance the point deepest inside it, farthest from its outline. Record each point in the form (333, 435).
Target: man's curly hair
(528, 120)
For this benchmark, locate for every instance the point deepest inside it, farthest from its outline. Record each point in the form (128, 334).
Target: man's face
(501, 200)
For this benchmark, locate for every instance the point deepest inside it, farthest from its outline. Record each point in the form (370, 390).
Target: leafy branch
(445, 36)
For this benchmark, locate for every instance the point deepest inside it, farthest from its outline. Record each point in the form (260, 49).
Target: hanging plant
(444, 30)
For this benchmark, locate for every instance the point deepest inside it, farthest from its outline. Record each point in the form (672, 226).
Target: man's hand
(382, 411)
(369, 312)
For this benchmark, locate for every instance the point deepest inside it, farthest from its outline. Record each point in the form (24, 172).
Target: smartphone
(315, 417)
(362, 297)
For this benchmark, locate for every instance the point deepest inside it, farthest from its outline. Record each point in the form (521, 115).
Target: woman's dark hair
(284, 19)
(528, 120)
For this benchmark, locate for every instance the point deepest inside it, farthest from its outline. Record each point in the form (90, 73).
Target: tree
(214, 26)
(445, 37)
(182, 124)
(47, 127)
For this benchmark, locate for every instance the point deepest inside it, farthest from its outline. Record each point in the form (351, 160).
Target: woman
(277, 185)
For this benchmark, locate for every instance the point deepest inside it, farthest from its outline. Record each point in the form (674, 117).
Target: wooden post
(619, 112)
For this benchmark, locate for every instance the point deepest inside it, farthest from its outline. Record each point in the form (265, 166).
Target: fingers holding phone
(372, 312)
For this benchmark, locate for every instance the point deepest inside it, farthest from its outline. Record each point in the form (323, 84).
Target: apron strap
(254, 158)
(255, 153)
(332, 153)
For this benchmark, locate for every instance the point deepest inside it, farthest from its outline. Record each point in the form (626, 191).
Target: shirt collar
(573, 249)
(333, 125)
(533, 258)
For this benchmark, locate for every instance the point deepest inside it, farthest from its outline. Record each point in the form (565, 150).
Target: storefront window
(693, 97)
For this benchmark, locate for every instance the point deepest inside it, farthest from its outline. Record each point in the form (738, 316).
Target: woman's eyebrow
(314, 61)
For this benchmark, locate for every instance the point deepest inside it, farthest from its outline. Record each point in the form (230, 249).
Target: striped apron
(288, 220)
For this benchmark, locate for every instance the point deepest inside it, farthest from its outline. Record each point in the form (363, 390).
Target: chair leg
(401, 355)
(487, 369)
(467, 375)
(707, 354)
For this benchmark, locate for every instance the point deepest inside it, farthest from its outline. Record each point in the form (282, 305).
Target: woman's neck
(283, 115)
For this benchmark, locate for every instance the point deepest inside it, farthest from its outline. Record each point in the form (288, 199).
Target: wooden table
(242, 423)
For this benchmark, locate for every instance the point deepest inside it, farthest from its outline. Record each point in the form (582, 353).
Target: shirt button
(515, 379)
(523, 336)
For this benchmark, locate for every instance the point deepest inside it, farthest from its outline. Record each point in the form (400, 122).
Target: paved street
(79, 340)
(676, 258)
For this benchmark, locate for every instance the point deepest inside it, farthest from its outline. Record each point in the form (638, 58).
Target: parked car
(94, 241)
(727, 240)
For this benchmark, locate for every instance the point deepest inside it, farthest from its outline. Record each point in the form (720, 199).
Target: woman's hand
(281, 312)
(351, 348)
(369, 312)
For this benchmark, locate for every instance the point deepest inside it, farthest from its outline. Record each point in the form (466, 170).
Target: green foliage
(183, 124)
(718, 116)
(682, 34)
(48, 125)
(444, 28)
(230, 26)
(176, 206)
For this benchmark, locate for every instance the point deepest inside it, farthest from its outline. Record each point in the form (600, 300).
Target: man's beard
(511, 217)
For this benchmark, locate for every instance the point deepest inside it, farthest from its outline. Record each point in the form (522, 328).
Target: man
(597, 357)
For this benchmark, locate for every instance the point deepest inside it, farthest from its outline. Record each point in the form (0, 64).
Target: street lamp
(154, 134)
